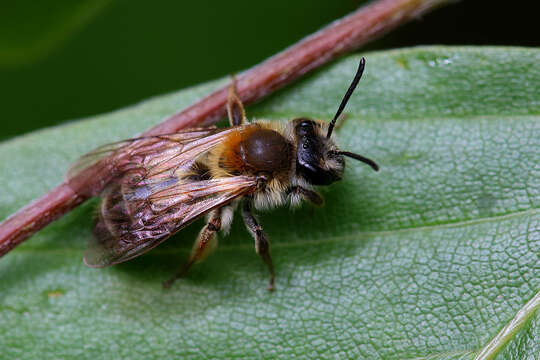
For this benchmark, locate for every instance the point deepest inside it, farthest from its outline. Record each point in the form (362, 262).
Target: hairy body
(163, 183)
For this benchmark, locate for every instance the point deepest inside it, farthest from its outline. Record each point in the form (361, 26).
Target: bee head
(318, 160)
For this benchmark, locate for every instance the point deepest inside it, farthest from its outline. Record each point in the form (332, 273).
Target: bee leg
(262, 247)
(235, 108)
(206, 242)
(298, 192)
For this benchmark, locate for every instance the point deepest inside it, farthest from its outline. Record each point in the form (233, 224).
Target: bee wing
(151, 156)
(135, 219)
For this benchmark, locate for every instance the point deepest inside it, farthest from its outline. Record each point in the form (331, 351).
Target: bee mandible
(163, 183)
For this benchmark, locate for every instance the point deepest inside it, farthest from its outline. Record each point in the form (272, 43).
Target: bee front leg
(299, 193)
(262, 247)
(206, 242)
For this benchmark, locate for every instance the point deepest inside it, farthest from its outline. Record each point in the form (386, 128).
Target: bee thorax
(265, 150)
(256, 150)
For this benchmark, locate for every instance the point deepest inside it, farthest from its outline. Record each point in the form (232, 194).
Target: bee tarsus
(262, 246)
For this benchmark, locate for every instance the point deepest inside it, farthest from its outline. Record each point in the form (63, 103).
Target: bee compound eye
(304, 127)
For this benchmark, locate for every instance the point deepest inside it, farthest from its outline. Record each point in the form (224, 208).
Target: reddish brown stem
(342, 36)
(36, 215)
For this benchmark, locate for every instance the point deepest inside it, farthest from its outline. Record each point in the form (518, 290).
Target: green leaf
(527, 342)
(429, 258)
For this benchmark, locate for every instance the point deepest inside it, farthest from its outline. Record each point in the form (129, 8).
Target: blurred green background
(62, 60)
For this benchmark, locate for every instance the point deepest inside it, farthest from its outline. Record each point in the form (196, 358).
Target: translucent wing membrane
(150, 192)
(94, 157)
(151, 155)
(135, 219)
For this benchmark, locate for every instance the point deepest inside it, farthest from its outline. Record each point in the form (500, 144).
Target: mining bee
(163, 183)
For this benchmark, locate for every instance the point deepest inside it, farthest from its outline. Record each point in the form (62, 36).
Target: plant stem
(342, 36)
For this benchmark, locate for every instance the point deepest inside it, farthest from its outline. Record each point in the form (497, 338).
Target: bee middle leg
(206, 242)
(262, 247)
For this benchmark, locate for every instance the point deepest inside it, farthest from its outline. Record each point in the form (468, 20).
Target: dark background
(65, 59)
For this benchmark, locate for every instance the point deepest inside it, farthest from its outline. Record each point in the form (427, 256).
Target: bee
(163, 183)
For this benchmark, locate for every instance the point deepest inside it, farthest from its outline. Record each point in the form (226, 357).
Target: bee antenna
(361, 158)
(347, 96)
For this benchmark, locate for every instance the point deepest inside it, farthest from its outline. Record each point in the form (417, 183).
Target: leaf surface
(429, 258)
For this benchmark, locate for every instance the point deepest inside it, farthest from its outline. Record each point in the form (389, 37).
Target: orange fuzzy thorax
(228, 157)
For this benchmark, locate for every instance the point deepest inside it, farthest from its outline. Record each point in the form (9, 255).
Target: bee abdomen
(198, 172)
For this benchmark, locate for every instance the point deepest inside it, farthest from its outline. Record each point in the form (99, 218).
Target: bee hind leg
(206, 242)
(235, 108)
(262, 246)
